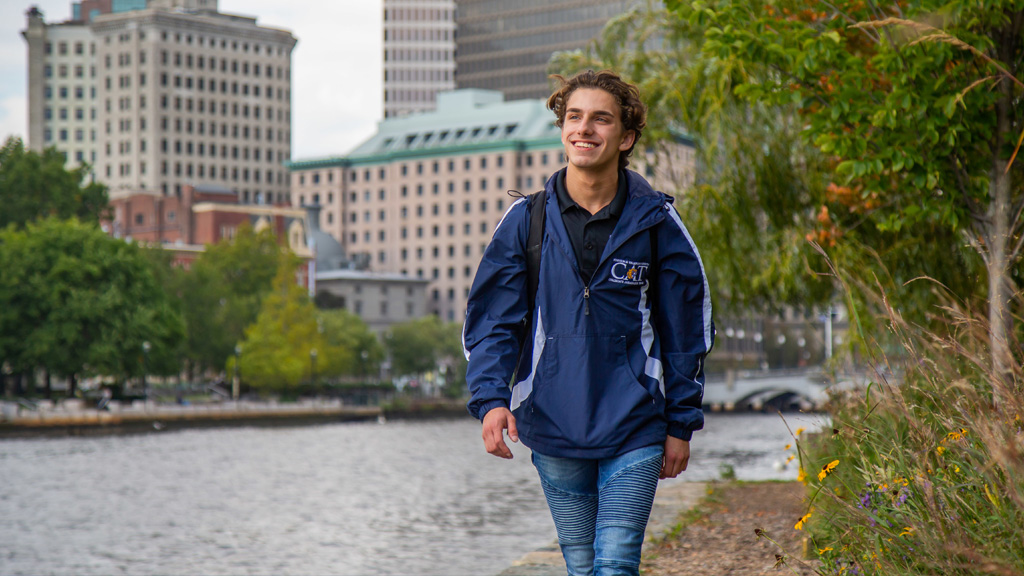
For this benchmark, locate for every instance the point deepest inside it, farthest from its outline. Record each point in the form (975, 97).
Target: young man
(609, 377)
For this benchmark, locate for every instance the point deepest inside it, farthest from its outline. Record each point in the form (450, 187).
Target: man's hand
(677, 455)
(495, 423)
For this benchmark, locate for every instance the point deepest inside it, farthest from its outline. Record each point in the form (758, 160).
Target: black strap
(534, 242)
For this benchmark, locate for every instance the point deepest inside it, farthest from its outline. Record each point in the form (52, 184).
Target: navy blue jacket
(599, 375)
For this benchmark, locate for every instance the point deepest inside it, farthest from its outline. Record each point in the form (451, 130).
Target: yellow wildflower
(790, 459)
(907, 531)
(956, 435)
(825, 549)
(801, 477)
(800, 523)
(800, 431)
(788, 446)
(827, 469)
(940, 450)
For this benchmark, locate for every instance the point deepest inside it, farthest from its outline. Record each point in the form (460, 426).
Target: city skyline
(329, 116)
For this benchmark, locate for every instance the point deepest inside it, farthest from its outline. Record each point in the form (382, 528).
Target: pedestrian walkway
(671, 500)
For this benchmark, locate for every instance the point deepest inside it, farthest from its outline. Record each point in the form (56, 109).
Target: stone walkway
(671, 500)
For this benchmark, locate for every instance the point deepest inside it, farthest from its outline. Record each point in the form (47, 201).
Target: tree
(918, 104)
(36, 185)
(422, 345)
(277, 352)
(222, 292)
(763, 191)
(75, 301)
(357, 352)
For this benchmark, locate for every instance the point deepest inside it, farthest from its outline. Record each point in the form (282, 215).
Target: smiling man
(606, 386)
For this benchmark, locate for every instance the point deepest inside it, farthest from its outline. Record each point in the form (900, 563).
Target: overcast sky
(336, 67)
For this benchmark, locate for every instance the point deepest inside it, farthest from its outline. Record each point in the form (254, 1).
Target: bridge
(753, 391)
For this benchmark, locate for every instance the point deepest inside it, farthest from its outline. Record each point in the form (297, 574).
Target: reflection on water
(348, 499)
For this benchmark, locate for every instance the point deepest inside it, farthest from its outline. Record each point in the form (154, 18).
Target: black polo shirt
(589, 232)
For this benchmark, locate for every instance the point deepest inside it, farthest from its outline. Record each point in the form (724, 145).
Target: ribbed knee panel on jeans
(574, 515)
(627, 497)
(623, 511)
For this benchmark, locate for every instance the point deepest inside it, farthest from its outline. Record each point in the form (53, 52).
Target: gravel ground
(722, 540)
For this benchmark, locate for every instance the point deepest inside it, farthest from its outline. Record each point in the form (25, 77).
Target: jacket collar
(644, 208)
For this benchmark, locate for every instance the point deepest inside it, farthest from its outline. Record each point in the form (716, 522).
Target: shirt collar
(565, 202)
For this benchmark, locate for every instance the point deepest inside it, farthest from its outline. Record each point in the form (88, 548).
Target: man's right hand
(496, 421)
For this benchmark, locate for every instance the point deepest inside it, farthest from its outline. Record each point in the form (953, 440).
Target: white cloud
(336, 78)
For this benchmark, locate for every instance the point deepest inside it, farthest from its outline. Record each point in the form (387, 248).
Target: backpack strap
(534, 242)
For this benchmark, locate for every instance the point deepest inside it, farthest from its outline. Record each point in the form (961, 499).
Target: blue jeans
(600, 508)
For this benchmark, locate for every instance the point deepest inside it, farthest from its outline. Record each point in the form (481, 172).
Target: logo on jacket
(628, 272)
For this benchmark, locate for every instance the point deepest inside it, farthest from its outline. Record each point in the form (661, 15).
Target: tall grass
(922, 472)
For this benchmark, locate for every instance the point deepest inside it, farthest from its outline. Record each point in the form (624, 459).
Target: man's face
(592, 132)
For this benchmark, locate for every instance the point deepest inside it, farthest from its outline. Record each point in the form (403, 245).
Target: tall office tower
(419, 54)
(182, 95)
(506, 44)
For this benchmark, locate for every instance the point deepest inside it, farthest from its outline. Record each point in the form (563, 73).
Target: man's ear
(627, 140)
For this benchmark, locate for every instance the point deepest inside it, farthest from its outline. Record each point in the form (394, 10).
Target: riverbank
(72, 416)
(708, 529)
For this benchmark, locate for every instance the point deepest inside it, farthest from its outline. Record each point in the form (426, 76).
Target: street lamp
(234, 382)
(145, 368)
(312, 365)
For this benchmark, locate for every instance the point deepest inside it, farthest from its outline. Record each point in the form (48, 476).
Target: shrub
(924, 473)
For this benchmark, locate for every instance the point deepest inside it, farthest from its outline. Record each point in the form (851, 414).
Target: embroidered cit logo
(629, 272)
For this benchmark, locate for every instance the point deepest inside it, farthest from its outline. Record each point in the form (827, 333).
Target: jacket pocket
(588, 395)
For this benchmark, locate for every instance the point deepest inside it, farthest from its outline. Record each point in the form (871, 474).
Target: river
(405, 497)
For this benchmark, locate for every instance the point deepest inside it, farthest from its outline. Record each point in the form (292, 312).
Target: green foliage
(916, 108)
(77, 302)
(222, 292)
(36, 185)
(929, 474)
(357, 352)
(277, 352)
(421, 345)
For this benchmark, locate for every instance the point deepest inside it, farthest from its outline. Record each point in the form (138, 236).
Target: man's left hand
(677, 454)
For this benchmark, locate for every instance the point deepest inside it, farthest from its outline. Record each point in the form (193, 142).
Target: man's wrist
(677, 430)
(490, 405)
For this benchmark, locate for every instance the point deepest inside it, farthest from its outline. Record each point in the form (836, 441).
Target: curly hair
(634, 112)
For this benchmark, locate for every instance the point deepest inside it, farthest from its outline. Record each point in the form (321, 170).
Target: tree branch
(971, 236)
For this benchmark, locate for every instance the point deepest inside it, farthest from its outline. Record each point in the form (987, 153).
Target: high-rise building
(423, 195)
(419, 54)
(505, 45)
(171, 95)
(61, 87)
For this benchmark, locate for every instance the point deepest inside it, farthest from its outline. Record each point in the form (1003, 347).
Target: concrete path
(671, 500)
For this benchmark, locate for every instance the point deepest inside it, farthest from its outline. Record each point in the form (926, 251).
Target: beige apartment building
(61, 88)
(179, 94)
(422, 196)
(419, 54)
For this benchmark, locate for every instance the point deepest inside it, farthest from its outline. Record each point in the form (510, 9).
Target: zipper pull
(586, 300)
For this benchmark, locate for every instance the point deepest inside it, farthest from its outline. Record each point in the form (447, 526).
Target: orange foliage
(827, 233)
